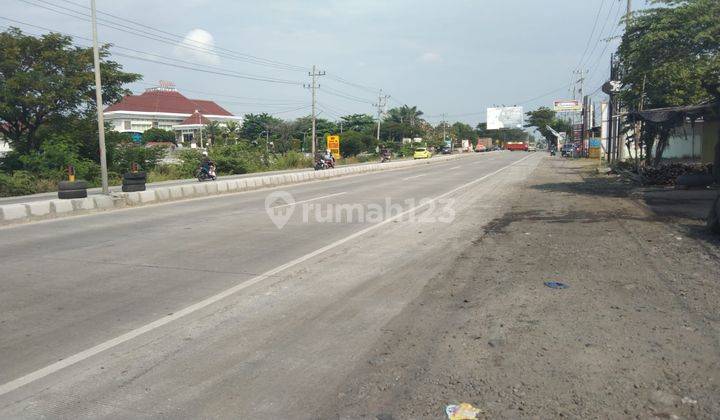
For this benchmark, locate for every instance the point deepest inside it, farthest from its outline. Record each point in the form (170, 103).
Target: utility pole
(99, 102)
(313, 86)
(382, 101)
(629, 9)
(444, 129)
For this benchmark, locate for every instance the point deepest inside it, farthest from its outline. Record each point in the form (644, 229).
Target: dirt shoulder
(636, 334)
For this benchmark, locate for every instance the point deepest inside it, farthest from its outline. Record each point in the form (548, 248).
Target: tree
(503, 134)
(543, 117)
(462, 131)
(47, 81)
(230, 132)
(358, 122)
(403, 122)
(674, 52)
(354, 142)
(254, 125)
(213, 129)
(158, 135)
(405, 115)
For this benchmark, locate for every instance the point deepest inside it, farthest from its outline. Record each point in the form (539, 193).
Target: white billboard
(571, 105)
(505, 117)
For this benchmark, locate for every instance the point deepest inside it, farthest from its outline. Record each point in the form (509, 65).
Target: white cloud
(198, 46)
(430, 57)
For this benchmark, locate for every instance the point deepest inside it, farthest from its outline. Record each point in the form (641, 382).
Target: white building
(165, 108)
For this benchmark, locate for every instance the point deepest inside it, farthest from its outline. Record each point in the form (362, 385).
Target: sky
(456, 57)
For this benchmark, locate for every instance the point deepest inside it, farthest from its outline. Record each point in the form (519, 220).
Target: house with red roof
(165, 108)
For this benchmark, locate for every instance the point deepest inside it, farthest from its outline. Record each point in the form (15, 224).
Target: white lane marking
(308, 200)
(454, 167)
(413, 177)
(114, 342)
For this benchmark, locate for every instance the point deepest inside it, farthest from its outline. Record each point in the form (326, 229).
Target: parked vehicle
(516, 145)
(480, 148)
(206, 175)
(532, 149)
(567, 150)
(446, 150)
(422, 153)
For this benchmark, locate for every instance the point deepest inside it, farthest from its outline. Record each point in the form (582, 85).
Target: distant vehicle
(480, 148)
(532, 149)
(567, 150)
(446, 150)
(422, 153)
(516, 145)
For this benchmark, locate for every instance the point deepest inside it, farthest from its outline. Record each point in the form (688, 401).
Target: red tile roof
(195, 118)
(166, 101)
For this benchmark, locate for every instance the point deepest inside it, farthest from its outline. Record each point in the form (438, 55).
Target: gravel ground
(636, 334)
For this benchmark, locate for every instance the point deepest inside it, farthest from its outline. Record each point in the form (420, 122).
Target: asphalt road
(204, 308)
(117, 188)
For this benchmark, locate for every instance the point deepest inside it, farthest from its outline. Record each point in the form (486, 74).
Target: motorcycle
(385, 158)
(552, 152)
(322, 164)
(208, 175)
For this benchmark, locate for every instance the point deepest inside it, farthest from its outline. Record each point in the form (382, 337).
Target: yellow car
(422, 153)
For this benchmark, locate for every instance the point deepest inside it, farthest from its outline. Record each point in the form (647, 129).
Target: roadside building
(165, 108)
(695, 133)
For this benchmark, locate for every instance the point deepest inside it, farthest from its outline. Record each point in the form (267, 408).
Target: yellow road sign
(333, 143)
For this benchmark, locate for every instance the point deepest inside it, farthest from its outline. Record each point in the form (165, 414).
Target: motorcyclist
(385, 154)
(206, 164)
(329, 158)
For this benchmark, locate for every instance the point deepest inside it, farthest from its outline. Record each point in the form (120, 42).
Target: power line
(356, 85)
(345, 95)
(213, 69)
(483, 112)
(249, 56)
(587, 46)
(602, 31)
(173, 39)
(607, 44)
(289, 110)
(177, 40)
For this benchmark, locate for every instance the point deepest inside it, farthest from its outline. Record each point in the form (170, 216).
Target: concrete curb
(56, 208)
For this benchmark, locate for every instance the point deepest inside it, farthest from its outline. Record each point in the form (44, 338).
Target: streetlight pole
(99, 102)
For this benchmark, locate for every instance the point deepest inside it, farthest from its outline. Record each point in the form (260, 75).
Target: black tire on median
(71, 185)
(133, 188)
(69, 194)
(133, 182)
(135, 175)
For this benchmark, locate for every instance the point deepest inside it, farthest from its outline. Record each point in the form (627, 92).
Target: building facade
(165, 108)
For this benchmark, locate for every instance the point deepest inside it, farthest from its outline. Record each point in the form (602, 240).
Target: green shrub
(19, 183)
(146, 157)
(158, 134)
(53, 158)
(292, 160)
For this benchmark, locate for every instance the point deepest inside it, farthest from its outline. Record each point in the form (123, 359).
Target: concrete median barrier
(48, 209)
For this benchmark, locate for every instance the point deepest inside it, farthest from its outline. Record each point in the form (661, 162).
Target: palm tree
(231, 130)
(212, 129)
(405, 114)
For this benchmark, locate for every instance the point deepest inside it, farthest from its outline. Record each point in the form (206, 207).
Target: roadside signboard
(570, 105)
(505, 117)
(333, 143)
